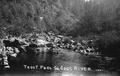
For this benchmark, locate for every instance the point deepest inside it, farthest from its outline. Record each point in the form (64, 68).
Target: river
(64, 63)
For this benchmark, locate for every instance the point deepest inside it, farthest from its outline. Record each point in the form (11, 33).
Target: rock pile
(33, 44)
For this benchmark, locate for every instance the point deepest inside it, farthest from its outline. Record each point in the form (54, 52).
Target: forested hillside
(76, 18)
(26, 16)
(95, 19)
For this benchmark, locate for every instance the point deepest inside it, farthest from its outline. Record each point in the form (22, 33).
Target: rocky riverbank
(17, 51)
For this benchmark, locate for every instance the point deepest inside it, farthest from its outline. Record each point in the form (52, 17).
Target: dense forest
(26, 16)
(96, 19)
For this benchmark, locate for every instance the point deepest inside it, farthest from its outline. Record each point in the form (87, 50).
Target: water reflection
(66, 63)
(84, 74)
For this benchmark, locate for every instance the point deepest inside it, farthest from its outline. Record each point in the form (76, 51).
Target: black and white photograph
(59, 37)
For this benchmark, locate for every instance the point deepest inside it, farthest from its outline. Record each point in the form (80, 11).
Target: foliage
(79, 19)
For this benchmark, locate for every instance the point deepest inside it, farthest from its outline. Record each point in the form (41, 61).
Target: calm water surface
(64, 63)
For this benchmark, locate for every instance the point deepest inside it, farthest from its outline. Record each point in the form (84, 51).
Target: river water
(64, 63)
